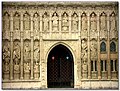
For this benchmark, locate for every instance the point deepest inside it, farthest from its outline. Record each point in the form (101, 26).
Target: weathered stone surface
(32, 29)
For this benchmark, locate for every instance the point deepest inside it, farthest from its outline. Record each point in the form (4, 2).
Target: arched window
(112, 47)
(103, 47)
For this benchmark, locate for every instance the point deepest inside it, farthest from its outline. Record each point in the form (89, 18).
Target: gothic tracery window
(103, 47)
(112, 47)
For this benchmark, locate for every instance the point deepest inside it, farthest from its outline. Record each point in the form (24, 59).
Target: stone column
(89, 61)
(60, 25)
(50, 24)
(93, 65)
(21, 63)
(11, 47)
(108, 47)
(31, 47)
(98, 43)
(113, 65)
(79, 47)
(79, 24)
(41, 23)
(69, 24)
(103, 65)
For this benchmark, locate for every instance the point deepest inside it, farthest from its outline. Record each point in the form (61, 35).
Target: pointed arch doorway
(60, 68)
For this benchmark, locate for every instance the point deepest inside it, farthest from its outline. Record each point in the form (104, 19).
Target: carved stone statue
(16, 22)
(45, 22)
(75, 23)
(26, 22)
(93, 50)
(65, 22)
(55, 22)
(36, 22)
(84, 25)
(36, 52)
(93, 23)
(6, 22)
(113, 31)
(16, 53)
(36, 67)
(6, 57)
(84, 50)
(84, 66)
(16, 56)
(26, 51)
(26, 67)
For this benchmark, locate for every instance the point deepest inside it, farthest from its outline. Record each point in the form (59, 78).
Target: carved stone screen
(32, 30)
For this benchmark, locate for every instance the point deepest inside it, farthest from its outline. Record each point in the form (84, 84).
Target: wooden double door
(60, 68)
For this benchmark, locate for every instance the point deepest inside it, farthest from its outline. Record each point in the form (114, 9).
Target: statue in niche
(16, 22)
(26, 51)
(16, 56)
(113, 31)
(27, 67)
(6, 57)
(26, 22)
(36, 52)
(36, 22)
(65, 22)
(55, 22)
(6, 22)
(46, 22)
(75, 23)
(84, 50)
(36, 67)
(93, 23)
(103, 25)
(93, 49)
(84, 66)
(84, 24)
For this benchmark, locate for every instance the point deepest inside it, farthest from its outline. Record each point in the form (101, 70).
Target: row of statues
(17, 59)
(84, 55)
(65, 22)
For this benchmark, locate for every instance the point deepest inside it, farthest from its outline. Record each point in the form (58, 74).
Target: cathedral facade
(60, 44)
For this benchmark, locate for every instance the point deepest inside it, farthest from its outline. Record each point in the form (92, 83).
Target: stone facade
(32, 29)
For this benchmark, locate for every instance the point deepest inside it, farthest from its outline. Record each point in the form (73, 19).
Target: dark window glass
(103, 47)
(95, 65)
(91, 65)
(115, 65)
(105, 65)
(111, 65)
(112, 47)
(101, 65)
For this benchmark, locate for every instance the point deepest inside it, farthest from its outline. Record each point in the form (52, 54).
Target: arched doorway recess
(60, 68)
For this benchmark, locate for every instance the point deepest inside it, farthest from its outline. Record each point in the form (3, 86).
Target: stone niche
(31, 29)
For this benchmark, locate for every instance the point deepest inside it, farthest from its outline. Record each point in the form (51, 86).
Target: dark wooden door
(60, 69)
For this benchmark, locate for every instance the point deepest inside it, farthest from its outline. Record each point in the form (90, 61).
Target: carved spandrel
(75, 22)
(55, 22)
(16, 22)
(36, 22)
(26, 19)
